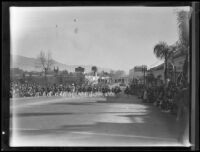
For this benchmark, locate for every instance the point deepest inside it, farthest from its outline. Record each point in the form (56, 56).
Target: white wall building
(92, 79)
(131, 73)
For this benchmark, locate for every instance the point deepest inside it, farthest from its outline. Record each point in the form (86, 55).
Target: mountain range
(30, 64)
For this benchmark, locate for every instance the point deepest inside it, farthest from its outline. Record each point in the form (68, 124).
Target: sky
(111, 37)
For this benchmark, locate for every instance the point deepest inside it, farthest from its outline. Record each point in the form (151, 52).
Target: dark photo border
(194, 70)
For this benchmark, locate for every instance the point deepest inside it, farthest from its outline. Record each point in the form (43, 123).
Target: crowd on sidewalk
(169, 98)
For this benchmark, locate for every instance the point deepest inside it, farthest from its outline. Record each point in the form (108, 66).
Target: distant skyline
(111, 37)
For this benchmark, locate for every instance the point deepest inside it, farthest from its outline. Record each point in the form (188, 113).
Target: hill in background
(29, 64)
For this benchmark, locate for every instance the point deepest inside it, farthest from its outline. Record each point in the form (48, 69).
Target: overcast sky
(110, 37)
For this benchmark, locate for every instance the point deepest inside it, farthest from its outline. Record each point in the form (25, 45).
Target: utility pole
(144, 70)
(144, 74)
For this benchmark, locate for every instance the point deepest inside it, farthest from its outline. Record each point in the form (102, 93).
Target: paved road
(59, 121)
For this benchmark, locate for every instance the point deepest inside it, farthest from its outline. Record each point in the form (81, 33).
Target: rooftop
(178, 53)
(159, 67)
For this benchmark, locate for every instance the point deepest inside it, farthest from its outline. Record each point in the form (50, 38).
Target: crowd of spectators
(162, 97)
(26, 89)
(166, 97)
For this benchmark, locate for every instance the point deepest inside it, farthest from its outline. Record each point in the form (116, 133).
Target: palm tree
(183, 19)
(94, 69)
(163, 51)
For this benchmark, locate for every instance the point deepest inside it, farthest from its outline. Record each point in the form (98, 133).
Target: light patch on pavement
(53, 122)
(123, 135)
(138, 120)
(116, 118)
(42, 102)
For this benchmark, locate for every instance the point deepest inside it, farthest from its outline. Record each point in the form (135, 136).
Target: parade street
(90, 121)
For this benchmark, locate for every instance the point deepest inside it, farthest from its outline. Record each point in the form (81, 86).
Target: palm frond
(160, 50)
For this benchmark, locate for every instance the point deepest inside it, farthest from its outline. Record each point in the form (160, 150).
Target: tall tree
(163, 51)
(45, 62)
(94, 69)
(183, 19)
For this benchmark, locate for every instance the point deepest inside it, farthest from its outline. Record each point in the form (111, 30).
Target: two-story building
(138, 72)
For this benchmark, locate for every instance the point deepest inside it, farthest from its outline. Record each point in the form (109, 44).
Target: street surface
(94, 121)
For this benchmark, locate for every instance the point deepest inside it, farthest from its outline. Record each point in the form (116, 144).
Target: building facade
(158, 71)
(131, 73)
(175, 68)
(138, 72)
(178, 62)
(79, 70)
(121, 80)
